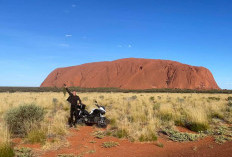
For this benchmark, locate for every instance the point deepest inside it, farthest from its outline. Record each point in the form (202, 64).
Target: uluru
(133, 73)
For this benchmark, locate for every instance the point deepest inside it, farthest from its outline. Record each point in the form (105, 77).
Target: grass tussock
(110, 144)
(36, 136)
(6, 150)
(99, 134)
(23, 152)
(159, 144)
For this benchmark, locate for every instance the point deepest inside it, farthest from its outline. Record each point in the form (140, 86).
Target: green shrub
(221, 131)
(23, 152)
(36, 136)
(152, 98)
(194, 126)
(6, 150)
(181, 136)
(21, 118)
(222, 139)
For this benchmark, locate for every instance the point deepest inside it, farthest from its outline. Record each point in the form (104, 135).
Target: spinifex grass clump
(120, 133)
(6, 150)
(99, 134)
(110, 144)
(21, 118)
(149, 137)
(159, 144)
(36, 136)
(23, 152)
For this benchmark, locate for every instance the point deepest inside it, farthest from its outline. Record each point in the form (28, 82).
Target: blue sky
(37, 36)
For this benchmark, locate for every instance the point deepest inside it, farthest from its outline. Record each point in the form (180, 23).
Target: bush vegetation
(135, 116)
(6, 150)
(22, 118)
(107, 90)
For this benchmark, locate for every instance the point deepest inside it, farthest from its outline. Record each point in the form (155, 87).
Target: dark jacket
(73, 99)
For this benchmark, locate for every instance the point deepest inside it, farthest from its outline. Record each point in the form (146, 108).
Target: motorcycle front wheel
(102, 123)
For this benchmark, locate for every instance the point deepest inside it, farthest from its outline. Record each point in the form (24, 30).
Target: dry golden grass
(137, 116)
(4, 133)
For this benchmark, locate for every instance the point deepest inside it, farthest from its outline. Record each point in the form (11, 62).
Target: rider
(73, 98)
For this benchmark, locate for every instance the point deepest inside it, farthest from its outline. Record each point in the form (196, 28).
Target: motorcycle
(96, 116)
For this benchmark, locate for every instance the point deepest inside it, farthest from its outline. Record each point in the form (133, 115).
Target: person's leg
(71, 117)
(76, 115)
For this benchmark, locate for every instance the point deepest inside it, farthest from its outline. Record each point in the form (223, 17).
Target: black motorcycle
(96, 116)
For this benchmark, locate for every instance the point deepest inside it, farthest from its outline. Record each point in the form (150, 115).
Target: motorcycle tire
(102, 123)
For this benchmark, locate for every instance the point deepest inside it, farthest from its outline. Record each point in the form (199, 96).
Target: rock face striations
(133, 73)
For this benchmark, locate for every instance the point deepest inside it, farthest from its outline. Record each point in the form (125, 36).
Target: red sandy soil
(80, 144)
(133, 73)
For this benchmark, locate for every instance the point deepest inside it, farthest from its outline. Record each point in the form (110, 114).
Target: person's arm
(97, 104)
(65, 86)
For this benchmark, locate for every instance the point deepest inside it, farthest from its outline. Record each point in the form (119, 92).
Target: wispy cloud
(68, 35)
(126, 46)
(74, 5)
(64, 45)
